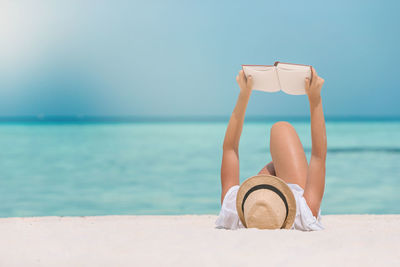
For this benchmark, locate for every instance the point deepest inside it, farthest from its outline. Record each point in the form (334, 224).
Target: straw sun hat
(266, 202)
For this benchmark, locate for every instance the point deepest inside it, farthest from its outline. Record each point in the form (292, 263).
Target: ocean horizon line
(188, 119)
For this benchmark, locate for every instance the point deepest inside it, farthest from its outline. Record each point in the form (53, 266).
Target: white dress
(305, 220)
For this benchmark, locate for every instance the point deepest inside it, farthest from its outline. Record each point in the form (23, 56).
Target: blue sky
(180, 58)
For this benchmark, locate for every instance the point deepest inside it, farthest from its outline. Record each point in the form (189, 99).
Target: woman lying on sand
(287, 192)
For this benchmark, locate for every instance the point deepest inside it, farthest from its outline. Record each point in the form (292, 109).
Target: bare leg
(288, 155)
(268, 169)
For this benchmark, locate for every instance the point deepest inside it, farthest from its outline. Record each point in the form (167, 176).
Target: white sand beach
(191, 240)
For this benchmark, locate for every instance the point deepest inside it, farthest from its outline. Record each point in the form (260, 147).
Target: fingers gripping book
(288, 77)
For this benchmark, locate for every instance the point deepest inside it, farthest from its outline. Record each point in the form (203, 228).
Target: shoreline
(181, 240)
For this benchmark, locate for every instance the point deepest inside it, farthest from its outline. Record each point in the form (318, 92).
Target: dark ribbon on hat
(269, 187)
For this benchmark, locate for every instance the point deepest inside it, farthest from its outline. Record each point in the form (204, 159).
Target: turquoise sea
(160, 167)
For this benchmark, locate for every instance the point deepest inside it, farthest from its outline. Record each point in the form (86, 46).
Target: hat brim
(273, 181)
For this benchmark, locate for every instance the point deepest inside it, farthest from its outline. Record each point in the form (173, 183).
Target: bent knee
(281, 126)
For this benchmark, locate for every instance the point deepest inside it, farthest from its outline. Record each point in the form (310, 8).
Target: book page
(264, 77)
(292, 77)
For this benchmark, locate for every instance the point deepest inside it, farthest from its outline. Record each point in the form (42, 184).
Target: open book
(288, 77)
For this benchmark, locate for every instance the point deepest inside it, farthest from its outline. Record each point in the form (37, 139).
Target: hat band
(269, 187)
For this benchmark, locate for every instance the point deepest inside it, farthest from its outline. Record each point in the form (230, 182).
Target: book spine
(277, 76)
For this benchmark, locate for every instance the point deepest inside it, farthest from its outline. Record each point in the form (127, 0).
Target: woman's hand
(313, 89)
(244, 84)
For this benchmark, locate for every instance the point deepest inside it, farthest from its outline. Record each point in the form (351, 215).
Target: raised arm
(230, 156)
(315, 185)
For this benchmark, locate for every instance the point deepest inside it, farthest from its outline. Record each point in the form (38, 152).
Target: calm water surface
(173, 168)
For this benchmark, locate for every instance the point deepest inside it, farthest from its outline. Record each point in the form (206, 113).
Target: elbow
(229, 146)
(319, 157)
(324, 149)
(320, 152)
